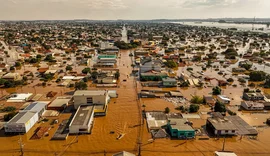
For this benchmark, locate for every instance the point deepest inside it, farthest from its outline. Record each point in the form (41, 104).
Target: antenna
(223, 147)
(253, 23)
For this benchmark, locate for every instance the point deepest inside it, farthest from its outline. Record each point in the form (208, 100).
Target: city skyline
(131, 9)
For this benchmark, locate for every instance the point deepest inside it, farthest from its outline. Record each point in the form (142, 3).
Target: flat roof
(90, 92)
(221, 123)
(19, 97)
(82, 115)
(22, 117)
(60, 101)
(180, 124)
(225, 153)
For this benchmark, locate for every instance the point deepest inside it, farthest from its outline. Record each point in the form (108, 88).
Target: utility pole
(223, 146)
(21, 146)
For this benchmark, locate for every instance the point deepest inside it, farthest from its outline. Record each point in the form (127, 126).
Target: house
(12, 77)
(82, 121)
(51, 94)
(169, 82)
(156, 120)
(25, 119)
(251, 105)
(251, 96)
(222, 83)
(90, 97)
(180, 128)
(220, 125)
(20, 97)
(223, 99)
(123, 153)
(209, 100)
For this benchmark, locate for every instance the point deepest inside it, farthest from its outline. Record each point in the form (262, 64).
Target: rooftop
(22, 117)
(60, 101)
(221, 123)
(35, 107)
(82, 115)
(180, 124)
(90, 92)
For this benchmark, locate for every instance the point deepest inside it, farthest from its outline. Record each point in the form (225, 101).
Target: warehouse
(60, 103)
(82, 120)
(90, 97)
(25, 119)
(22, 122)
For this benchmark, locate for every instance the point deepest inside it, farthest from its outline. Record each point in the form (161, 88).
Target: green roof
(107, 56)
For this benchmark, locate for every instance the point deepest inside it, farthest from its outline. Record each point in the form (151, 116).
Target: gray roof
(180, 124)
(60, 101)
(220, 122)
(82, 115)
(90, 92)
(22, 117)
(35, 107)
(167, 79)
(242, 127)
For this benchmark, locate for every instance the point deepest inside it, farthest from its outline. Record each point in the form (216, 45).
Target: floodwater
(244, 27)
(124, 117)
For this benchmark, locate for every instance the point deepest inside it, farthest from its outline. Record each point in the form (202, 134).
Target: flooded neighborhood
(134, 88)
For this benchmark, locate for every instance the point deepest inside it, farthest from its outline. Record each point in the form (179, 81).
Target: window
(89, 100)
(226, 131)
(233, 131)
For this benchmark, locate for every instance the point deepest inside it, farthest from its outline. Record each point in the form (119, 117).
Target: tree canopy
(257, 76)
(219, 107)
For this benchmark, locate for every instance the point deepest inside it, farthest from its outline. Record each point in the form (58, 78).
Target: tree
(230, 80)
(12, 68)
(8, 84)
(18, 64)
(80, 85)
(69, 68)
(117, 75)
(86, 70)
(257, 76)
(196, 100)
(194, 108)
(171, 64)
(219, 107)
(49, 58)
(8, 109)
(167, 110)
(9, 116)
(246, 66)
(216, 90)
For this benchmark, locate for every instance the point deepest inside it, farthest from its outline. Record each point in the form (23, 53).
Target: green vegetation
(123, 45)
(11, 84)
(230, 80)
(68, 68)
(49, 58)
(246, 66)
(167, 110)
(171, 64)
(117, 75)
(86, 70)
(257, 76)
(8, 109)
(18, 64)
(219, 107)
(9, 116)
(80, 85)
(216, 90)
(196, 100)
(184, 84)
(193, 108)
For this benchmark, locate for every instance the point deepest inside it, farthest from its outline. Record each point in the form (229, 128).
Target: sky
(131, 9)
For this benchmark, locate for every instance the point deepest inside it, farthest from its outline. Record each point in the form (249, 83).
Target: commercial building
(251, 105)
(180, 128)
(156, 120)
(253, 96)
(60, 103)
(82, 121)
(90, 97)
(25, 119)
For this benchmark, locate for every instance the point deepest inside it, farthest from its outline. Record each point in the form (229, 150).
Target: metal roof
(22, 117)
(35, 107)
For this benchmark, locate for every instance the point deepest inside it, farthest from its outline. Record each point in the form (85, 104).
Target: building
(156, 120)
(253, 96)
(220, 125)
(224, 153)
(12, 77)
(25, 119)
(209, 100)
(123, 153)
(251, 105)
(180, 128)
(82, 121)
(223, 99)
(60, 103)
(238, 70)
(90, 97)
(21, 97)
(169, 82)
(152, 76)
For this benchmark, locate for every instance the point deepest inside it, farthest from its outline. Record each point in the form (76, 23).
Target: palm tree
(143, 107)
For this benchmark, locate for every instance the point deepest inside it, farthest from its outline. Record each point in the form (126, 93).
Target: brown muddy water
(123, 117)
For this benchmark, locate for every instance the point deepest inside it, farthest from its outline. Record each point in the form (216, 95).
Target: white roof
(68, 77)
(224, 97)
(225, 153)
(19, 97)
(90, 92)
(22, 117)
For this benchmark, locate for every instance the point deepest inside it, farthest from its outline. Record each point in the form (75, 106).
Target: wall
(82, 100)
